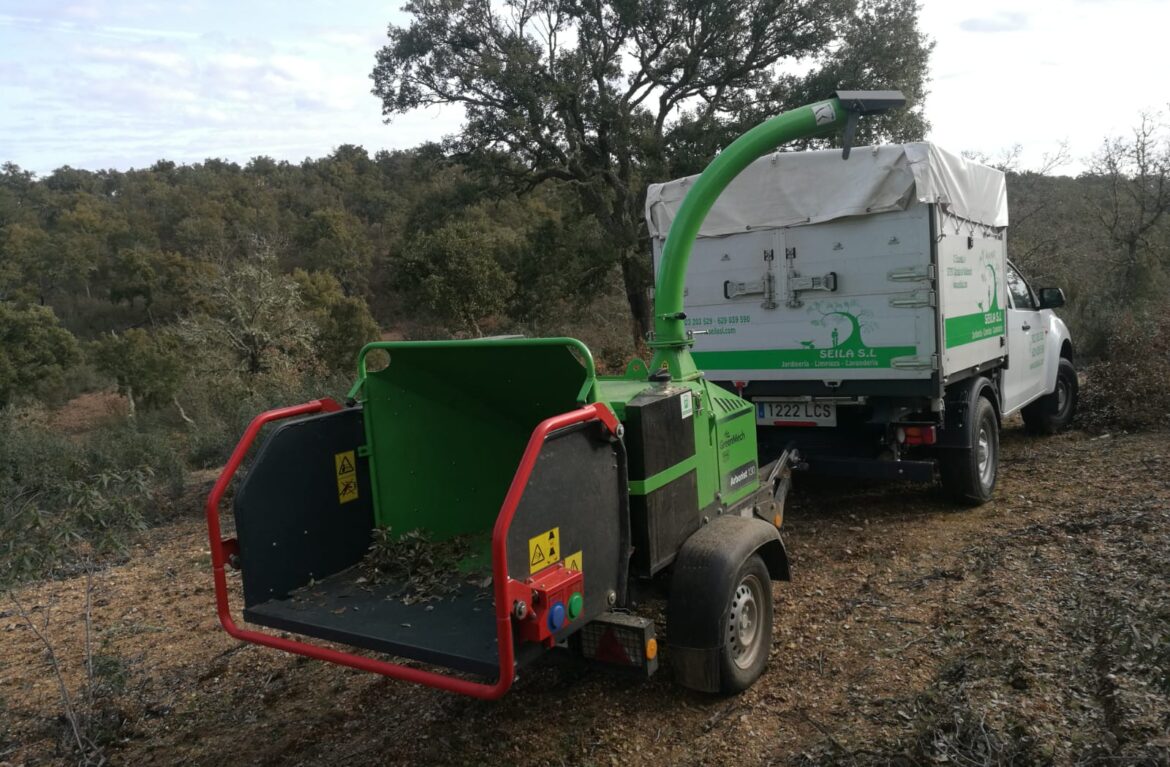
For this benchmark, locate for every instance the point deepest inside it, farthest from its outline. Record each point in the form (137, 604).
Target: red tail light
(917, 435)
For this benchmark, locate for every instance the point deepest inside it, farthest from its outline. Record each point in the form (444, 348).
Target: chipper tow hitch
(562, 489)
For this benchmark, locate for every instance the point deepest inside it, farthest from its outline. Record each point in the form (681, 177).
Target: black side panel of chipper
(579, 487)
(661, 521)
(660, 434)
(657, 434)
(290, 519)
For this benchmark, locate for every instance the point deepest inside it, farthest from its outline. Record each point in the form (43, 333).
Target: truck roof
(795, 188)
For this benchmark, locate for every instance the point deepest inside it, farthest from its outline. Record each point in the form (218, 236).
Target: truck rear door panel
(850, 299)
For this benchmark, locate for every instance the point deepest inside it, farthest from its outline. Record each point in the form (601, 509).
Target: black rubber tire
(963, 479)
(739, 665)
(1049, 414)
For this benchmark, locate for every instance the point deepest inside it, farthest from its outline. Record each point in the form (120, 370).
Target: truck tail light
(917, 435)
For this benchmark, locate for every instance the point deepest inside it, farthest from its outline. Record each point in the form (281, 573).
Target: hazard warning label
(573, 562)
(346, 472)
(544, 550)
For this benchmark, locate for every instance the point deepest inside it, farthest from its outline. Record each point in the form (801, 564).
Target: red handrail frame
(221, 548)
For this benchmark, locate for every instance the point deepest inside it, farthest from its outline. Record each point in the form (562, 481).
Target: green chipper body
(568, 491)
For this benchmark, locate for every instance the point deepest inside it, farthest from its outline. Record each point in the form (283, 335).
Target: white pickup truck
(867, 307)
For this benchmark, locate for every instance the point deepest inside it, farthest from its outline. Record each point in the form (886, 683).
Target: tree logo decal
(845, 323)
(992, 291)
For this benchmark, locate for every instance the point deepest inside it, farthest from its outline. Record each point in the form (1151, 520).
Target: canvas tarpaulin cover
(797, 188)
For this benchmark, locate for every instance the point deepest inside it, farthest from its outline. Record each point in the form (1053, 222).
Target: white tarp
(794, 188)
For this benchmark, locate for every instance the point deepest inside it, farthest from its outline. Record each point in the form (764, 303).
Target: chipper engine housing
(563, 488)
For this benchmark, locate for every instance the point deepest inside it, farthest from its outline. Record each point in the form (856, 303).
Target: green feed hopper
(447, 421)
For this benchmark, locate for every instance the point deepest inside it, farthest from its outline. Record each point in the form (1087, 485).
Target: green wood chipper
(570, 494)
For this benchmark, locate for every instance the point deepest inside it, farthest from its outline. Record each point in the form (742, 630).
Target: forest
(203, 293)
(191, 296)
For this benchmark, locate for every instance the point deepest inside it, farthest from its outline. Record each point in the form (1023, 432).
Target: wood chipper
(569, 492)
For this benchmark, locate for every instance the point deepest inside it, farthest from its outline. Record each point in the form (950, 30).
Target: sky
(122, 83)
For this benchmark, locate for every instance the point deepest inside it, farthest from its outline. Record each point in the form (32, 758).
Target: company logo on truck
(843, 346)
(988, 322)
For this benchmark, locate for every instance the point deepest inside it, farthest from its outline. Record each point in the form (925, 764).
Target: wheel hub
(983, 455)
(743, 625)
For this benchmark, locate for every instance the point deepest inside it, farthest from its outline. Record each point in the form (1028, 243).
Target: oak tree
(608, 96)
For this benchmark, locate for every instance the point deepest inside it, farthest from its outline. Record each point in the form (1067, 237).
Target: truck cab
(1038, 341)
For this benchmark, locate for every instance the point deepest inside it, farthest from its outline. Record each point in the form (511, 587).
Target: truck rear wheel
(1054, 412)
(968, 473)
(748, 627)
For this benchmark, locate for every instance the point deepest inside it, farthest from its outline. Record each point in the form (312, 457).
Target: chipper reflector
(622, 640)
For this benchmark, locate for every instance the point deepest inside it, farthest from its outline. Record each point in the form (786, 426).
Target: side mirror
(1051, 298)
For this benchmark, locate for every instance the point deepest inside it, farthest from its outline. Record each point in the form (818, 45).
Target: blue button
(556, 616)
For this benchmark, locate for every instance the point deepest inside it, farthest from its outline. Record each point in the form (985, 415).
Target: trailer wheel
(968, 473)
(1054, 412)
(747, 627)
(719, 615)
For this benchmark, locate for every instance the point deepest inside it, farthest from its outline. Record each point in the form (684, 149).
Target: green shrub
(35, 351)
(65, 499)
(1128, 389)
(146, 366)
(220, 410)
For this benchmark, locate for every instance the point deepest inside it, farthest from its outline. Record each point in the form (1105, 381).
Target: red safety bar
(221, 548)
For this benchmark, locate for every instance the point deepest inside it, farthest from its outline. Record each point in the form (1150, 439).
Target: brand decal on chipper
(745, 473)
(686, 403)
(824, 113)
(730, 439)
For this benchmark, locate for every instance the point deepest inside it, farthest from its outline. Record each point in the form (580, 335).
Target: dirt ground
(1032, 630)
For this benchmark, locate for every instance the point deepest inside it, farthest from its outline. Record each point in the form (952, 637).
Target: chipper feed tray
(442, 442)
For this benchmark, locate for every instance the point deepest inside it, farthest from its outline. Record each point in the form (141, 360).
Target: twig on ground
(825, 731)
(913, 642)
(720, 715)
(88, 632)
(91, 755)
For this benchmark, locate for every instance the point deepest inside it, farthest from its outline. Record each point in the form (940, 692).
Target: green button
(575, 605)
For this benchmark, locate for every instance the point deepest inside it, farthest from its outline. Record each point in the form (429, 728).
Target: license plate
(781, 412)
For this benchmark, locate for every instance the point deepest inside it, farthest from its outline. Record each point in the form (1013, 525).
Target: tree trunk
(1132, 272)
(182, 412)
(636, 277)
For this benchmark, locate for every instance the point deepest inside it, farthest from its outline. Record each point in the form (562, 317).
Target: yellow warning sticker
(544, 550)
(346, 472)
(573, 562)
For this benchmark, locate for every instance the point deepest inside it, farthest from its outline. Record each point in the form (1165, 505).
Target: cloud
(350, 37)
(1003, 21)
(119, 83)
(152, 56)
